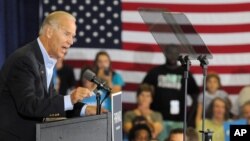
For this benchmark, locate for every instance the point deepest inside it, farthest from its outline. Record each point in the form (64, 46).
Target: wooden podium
(90, 128)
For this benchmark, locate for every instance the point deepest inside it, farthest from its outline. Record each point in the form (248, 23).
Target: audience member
(213, 90)
(243, 97)
(169, 88)
(216, 115)
(153, 119)
(177, 135)
(140, 132)
(83, 82)
(192, 134)
(245, 111)
(102, 64)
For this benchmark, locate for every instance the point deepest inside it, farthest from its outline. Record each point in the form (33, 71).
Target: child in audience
(177, 135)
(216, 115)
(213, 90)
(140, 132)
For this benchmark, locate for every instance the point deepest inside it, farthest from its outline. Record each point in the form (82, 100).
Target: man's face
(61, 38)
(171, 54)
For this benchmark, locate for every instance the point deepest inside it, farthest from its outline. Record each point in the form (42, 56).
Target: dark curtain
(19, 24)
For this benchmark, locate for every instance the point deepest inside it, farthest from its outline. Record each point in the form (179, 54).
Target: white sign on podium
(116, 109)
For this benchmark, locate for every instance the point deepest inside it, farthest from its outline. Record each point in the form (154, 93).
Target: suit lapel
(43, 76)
(40, 61)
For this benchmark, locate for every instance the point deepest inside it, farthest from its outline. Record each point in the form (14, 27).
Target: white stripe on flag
(208, 38)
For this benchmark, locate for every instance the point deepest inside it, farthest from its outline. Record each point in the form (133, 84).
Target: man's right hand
(79, 94)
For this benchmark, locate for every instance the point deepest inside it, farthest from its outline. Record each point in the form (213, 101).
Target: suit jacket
(24, 99)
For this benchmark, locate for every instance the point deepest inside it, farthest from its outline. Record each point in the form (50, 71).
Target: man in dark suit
(27, 96)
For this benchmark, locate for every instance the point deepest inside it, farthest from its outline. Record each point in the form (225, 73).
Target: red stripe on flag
(213, 49)
(145, 67)
(128, 106)
(198, 28)
(189, 7)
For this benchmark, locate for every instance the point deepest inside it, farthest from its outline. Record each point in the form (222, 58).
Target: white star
(46, 1)
(94, 21)
(102, 40)
(116, 41)
(88, 40)
(109, 8)
(60, 1)
(102, 15)
(108, 21)
(109, 34)
(87, 1)
(67, 7)
(88, 27)
(81, 33)
(95, 8)
(115, 2)
(81, 7)
(74, 1)
(116, 28)
(95, 34)
(80, 20)
(53, 7)
(115, 15)
(101, 2)
(88, 14)
(102, 27)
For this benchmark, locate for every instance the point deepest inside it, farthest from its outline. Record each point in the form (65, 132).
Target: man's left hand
(91, 110)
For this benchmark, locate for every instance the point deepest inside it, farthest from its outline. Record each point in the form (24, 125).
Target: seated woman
(216, 115)
(213, 90)
(153, 118)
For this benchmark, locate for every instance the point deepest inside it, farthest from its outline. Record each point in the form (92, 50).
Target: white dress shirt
(50, 63)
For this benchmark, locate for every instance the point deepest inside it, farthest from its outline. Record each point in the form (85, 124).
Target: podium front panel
(92, 128)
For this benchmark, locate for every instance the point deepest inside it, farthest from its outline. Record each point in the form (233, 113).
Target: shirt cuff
(67, 103)
(83, 110)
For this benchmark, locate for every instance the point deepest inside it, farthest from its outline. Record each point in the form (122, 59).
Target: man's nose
(71, 41)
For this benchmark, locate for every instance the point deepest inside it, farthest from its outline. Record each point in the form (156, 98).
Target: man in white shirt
(27, 95)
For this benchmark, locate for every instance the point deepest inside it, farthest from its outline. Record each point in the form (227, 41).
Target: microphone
(90, 75)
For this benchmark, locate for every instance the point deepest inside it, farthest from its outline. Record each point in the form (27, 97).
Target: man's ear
(49, 32)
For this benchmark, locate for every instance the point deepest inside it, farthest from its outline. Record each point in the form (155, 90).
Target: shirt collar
(48, 61)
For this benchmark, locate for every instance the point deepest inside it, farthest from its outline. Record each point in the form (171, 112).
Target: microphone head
(88, 74)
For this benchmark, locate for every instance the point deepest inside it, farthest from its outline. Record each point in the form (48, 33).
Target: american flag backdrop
(116, 27)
